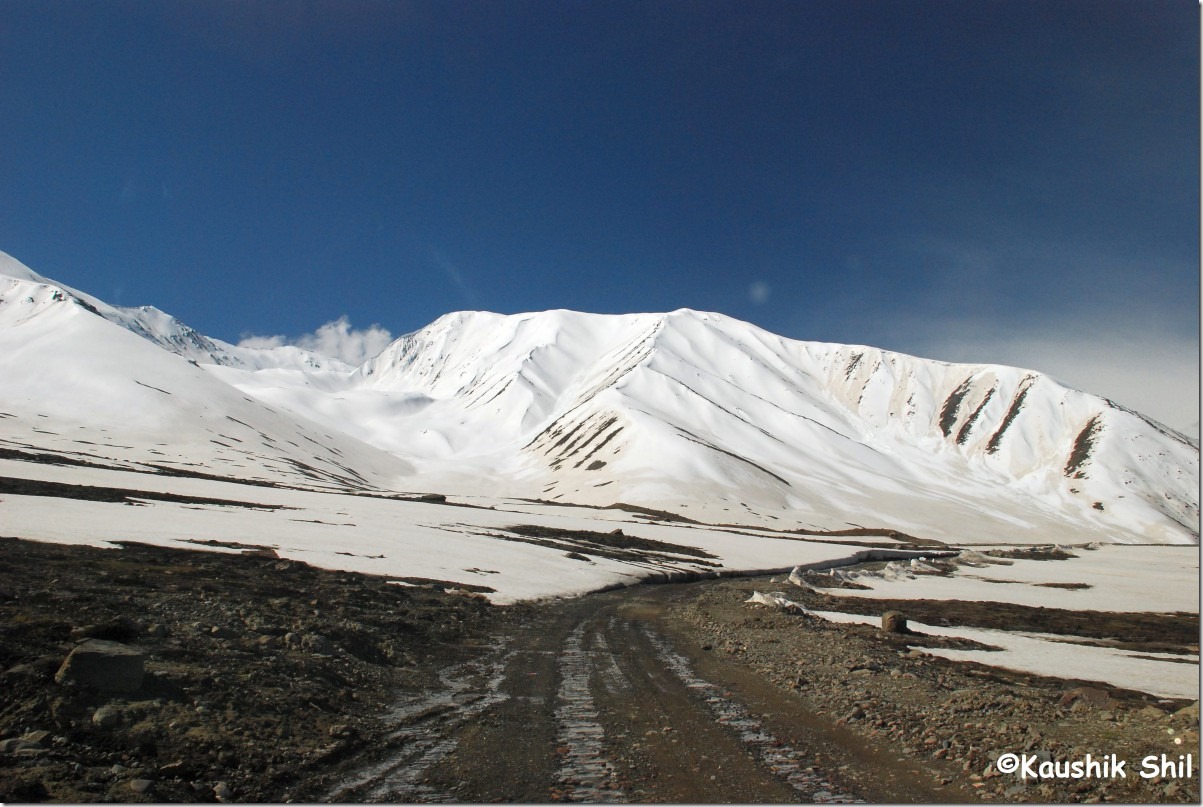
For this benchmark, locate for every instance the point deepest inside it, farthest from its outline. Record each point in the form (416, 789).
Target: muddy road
(608, 699)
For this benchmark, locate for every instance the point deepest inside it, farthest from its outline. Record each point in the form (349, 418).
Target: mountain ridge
(695, 413)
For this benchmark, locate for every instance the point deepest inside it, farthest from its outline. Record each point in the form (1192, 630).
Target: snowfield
(1161, 674)
(442, 541)
(1114, 578)
(714, 446)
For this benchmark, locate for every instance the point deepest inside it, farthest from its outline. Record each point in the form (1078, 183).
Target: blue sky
(995, 181)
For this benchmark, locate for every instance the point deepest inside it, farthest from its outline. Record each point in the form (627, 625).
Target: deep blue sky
(995, 180)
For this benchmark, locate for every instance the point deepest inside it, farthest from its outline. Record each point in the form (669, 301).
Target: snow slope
(688, 412)
(100, 390)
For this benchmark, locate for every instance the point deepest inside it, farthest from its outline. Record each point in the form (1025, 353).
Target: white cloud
(262, 342)
(759, 292)
(336, 340)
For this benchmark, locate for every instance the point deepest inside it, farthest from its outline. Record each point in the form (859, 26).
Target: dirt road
(609, 701)
(267, 680)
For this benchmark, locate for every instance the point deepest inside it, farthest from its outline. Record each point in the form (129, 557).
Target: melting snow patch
(775, 600)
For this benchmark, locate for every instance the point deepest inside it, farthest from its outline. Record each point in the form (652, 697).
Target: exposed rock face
(107, 666)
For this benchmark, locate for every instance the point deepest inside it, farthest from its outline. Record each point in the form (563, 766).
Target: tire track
(780, 759)
(425, 725)
(585, 773)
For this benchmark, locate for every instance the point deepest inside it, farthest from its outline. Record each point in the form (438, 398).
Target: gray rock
(141, 785)
(107, 666)
(107, 716)
(42, 669)
(893, 622)
(222, 791)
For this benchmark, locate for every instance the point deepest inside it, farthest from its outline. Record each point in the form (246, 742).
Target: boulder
(893, 622)
(107, 666)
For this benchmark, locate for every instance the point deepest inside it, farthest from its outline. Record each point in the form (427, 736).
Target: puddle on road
(785, 762)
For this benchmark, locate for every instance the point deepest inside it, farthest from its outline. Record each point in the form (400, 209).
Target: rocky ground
(957, 717)
(259, 673)
(261, 679)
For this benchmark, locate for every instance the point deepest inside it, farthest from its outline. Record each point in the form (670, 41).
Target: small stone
(855, 714)
(141, 785)
(893, 622)
(18, 746)
(174, 769)
(222, 791)
(107, 716)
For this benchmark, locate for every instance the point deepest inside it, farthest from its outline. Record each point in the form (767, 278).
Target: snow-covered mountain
(125, 387)
(688, 412)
